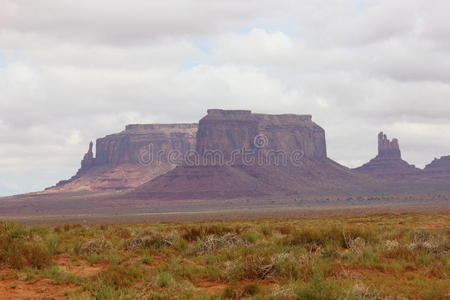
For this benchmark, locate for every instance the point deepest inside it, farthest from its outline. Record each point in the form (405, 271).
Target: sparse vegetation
(373, 257)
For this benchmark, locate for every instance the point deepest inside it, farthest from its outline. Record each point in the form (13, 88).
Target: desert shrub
(360, 291)
(314, 236)
(389, 245)
(37, 255)
(67, 228)
(400, 252)
(435, 291)
(95, 246)
(251, 289)
(213, 243)
(282, 293)
(53, 242)
(60, 277)
(122, 232)
(252, 236)
(355, 245)
(285, 229)
(430, 242)
(164, 280)
(77, 247)
(17, 249)
(320, 289)
(149, 241)
(232, 270)
(231, 292)
(293, 267)
(194, 233)
(13, 231)
(266, 230)
(322, 236)
(120, 276)
(258, 267)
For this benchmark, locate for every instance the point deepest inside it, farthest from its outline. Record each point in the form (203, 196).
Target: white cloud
(75, 71)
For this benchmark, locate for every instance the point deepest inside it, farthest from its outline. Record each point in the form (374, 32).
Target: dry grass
(372, 257)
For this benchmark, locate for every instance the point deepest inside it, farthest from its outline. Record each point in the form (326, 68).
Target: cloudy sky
(73, 71)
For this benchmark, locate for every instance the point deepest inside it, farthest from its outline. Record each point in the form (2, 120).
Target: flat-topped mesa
(229, 131)
(439, 168)
(130, 157)
(223, 113)
(387, 148)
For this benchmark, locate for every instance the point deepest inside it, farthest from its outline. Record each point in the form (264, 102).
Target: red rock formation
(130, 158)
(388, 163)
(88, 160)
(234, 131)
(387, 148)
(225, 132)
(438, 168)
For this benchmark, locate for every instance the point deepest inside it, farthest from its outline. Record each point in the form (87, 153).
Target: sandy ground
(230, 214)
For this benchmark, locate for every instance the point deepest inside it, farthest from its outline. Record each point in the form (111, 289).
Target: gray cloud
(71, 72)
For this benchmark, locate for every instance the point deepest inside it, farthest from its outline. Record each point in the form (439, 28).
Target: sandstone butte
(388, 163)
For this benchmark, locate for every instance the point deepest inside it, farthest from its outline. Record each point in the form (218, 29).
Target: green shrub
(120, 276)
(251, 289)
(330, 235)
(320, 289)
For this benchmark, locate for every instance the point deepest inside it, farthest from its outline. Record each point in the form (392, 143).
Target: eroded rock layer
(236, 132)
(130, 158)
(438, 168)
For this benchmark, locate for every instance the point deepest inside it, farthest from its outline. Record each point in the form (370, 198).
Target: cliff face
(438, 168)
(127, 147)
(131, 157)
(293, 133)
(226, 131)
(232, 132)
(388, 163)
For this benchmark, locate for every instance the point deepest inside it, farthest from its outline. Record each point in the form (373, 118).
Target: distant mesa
(231, 130)
(228, 131)
(439, 168)
(116, 164)
(288, 156)
(388, 163)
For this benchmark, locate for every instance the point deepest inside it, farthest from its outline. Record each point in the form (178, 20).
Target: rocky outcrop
(127, 159)
(238, 134)
(88, 160)
(387, 148)
(438, 168)
(388, 163)
(305, 170)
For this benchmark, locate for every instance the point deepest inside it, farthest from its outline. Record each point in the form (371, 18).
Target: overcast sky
(74, 71)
